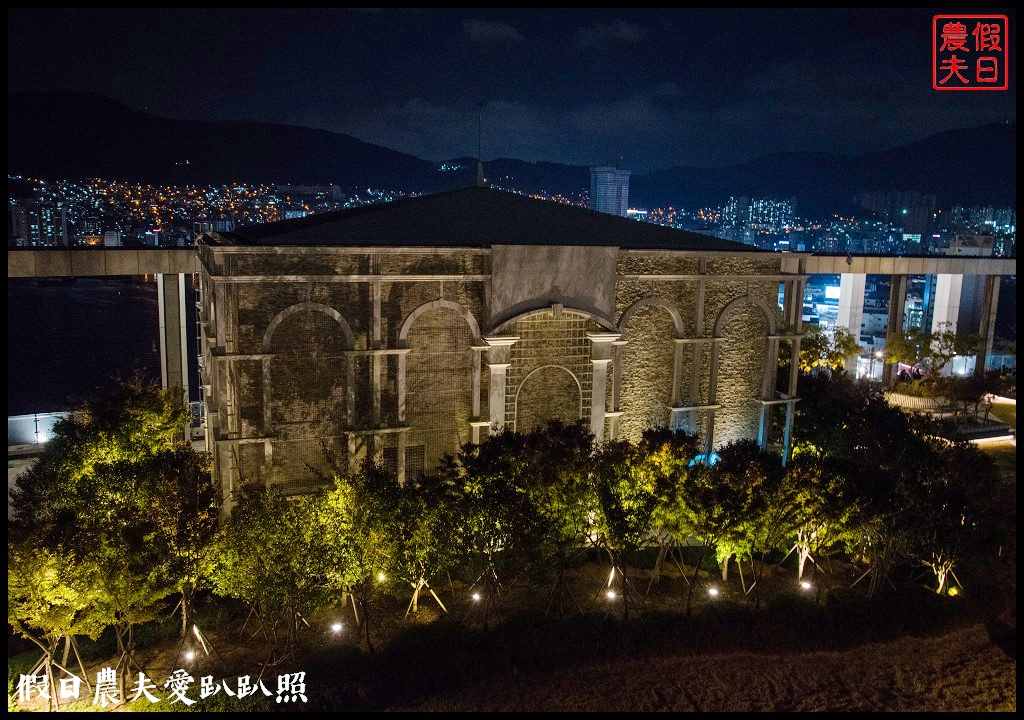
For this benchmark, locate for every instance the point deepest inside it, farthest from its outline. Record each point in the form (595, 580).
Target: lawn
(1006, 412)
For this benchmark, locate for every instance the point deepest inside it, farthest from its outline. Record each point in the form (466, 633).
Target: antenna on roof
(480, 180)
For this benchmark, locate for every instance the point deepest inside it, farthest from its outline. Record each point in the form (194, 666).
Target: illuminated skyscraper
(609, 189)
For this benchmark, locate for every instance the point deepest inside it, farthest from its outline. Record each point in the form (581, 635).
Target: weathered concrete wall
(320, 370)
(528, 277)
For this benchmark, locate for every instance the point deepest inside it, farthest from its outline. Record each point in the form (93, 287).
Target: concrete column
(268, 415)
(599, 387)
(498, 354)
(476, 383)
(698, 348)
(769, 378)
(350, 389)
(987, 325)
(897, 307)
(947, 302)
(797, 324)
(375, 373)
(712, 398)
(617, 349)
(677, 371)
(851, 308)
(600, 357)
(173, 332)
(400, 459)
(762, 426)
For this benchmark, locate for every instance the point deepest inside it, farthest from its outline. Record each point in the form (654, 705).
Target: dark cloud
(618, 31)
(658, 87)
(485, 31)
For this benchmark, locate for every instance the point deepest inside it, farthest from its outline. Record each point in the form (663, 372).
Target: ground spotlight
(953, 592)
(476, 597)
(381, 577)
(610, 594)
(805, 585)
(713, 592)
(190, 656)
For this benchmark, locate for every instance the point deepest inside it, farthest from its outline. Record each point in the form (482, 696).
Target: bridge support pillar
(897, 307)
(987, 328)
(173, 339)
(851, 308)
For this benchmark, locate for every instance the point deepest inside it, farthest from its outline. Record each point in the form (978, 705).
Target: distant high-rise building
(33, 223)
(112, 238)
(609, 190)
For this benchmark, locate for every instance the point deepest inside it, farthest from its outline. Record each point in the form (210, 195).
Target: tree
(435, 537)
(285, 558)
(92, 495)
(184, 508)
(628, 491)
(824, 520)
(370, 510)
(505, 531)
(557, 488)
(50, 597)
(823, 350)
(932, 351)
(953, 508)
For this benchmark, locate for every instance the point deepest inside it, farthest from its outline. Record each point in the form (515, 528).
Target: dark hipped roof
(471, 217)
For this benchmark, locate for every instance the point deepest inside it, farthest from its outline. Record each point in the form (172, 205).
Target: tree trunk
(67, 651)
(693, 579)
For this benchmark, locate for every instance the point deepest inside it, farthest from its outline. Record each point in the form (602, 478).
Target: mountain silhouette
(68, 135)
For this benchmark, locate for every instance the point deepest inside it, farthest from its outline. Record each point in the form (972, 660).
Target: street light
(876, 354)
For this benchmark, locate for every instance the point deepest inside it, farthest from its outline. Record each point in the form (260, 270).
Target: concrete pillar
(173, 338)
(797, 323)
(599, 387)
(851, 308)
(400, 459)
(600, 357)
(897, 308)
(498, 353)
(947, 302)
(617, 348)
(698, 348)
(987, 325)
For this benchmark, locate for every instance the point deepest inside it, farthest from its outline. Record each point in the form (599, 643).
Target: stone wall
(319, 381)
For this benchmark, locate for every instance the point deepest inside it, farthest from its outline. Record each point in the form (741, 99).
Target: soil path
(961, 671)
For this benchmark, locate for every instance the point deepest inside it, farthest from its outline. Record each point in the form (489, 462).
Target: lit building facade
(405, 330)
(609, 190)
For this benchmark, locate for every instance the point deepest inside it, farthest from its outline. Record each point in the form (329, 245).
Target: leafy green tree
(284, 557)
(129, 421)
(557, 487)
(824, 350)
(50, 596)
(670, 455)
(92, 496)
(184, 509)
(953, 509)
(931, 350)
(371, 510)
(824, 520)
(435, 537)
(628, 490)
(505, 529)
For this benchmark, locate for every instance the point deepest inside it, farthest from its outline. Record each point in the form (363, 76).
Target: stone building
(407, 329)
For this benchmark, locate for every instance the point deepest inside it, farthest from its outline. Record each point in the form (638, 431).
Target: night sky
(659, 88)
